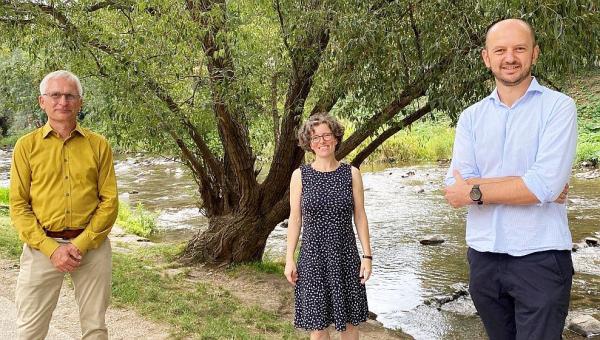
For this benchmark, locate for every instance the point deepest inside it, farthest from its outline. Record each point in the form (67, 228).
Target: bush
(139, 221)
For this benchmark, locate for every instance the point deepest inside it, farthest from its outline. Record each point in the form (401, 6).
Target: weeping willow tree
(227, 83)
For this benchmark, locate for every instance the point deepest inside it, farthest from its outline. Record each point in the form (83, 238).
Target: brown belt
(66, 234)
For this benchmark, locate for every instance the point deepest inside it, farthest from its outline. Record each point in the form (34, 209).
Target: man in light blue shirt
(511, 163)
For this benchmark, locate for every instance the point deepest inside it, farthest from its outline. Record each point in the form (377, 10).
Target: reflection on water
(403, 204)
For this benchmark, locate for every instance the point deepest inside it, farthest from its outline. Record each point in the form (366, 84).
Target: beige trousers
(38, 288)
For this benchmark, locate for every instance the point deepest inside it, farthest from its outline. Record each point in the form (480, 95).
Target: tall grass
(4, 196)
(587, 97)
(422, 142)
(10, 245)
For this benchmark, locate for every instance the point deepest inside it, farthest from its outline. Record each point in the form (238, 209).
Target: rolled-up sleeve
(463, 151)
(552, 167)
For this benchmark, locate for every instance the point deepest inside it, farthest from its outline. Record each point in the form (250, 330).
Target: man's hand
(457, 194)
(66, 258)
(562, 198)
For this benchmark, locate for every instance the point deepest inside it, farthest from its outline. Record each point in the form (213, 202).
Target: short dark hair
(308, 127)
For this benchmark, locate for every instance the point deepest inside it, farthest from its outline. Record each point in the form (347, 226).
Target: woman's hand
(291, 273)
(365, 270)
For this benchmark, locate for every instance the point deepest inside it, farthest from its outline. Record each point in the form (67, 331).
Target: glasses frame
(327, 137)
(56, 97)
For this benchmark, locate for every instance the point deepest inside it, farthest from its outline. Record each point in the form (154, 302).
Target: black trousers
(521, 298)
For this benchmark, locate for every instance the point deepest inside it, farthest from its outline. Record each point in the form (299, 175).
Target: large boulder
(585, 325)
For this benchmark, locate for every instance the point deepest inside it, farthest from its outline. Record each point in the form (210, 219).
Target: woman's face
(322, 141)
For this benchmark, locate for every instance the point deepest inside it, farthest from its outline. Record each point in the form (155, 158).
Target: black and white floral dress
(328, 289)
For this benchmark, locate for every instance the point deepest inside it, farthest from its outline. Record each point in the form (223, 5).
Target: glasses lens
(327, 136)
(56, 96)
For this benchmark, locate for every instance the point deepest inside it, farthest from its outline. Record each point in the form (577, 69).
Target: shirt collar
(534, 86)
(46, 129)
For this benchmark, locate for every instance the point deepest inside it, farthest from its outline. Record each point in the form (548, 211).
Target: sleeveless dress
(328, 289)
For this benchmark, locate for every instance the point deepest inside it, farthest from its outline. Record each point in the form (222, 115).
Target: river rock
(133, 192)
(408, 174)
(593, 174)
(587, 164)
(463, 306)
(591, 241)
(372, 316)
(460, 288)
(419, 190)
(585, 325)
(432, 239)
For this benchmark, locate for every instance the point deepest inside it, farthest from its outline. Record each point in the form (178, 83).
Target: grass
(197, 309)
(424, 141)
(10, 245)
(136, 221)
(586, 92)
(4, 196)
(266, 266)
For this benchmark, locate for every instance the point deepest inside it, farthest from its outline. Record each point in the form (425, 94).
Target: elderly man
(63, 203)
(511, 163)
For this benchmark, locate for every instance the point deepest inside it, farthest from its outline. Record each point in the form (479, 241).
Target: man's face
(510, 53)
(61, 100)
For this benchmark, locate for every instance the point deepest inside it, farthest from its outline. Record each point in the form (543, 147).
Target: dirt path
(122, 324)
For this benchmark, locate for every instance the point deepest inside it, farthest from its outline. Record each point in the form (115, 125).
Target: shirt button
(65, 159)
(67, 211)
(66, 177)
(67, 194)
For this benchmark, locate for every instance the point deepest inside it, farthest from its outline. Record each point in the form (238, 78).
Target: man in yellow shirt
(63, 203)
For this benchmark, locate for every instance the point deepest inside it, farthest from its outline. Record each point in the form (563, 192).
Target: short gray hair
(60, 74)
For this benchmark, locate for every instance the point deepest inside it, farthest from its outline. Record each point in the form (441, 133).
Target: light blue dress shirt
(534, 139)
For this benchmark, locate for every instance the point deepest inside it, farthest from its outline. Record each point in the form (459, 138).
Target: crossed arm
(509, 190)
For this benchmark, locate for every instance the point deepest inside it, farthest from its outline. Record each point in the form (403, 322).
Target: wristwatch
(476, 195)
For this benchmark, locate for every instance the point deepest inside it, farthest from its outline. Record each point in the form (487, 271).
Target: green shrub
(4, 196)
(139, 221)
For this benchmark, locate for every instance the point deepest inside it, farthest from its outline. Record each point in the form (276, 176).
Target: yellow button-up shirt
(57, 184)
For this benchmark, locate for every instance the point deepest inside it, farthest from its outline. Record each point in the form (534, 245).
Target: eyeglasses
(326, 137)
(56, 96)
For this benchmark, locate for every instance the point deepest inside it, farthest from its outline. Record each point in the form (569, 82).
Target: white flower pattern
(328, 289)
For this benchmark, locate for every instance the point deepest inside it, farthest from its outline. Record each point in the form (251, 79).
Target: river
(403, 204)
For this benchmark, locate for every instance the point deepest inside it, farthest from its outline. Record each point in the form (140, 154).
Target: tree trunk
(234, 238)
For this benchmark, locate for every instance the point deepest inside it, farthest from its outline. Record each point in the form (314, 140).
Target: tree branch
(389, 132)
(234, 134)
(412, 91)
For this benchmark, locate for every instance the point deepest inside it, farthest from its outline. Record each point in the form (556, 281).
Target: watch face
(475, 194)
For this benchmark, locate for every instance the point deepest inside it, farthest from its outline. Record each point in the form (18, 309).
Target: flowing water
(403, 205)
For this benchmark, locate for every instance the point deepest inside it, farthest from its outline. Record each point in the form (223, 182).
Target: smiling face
(323, 141)
(510, 51)
(61, 101)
